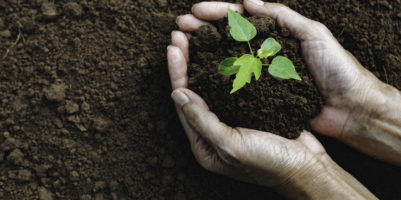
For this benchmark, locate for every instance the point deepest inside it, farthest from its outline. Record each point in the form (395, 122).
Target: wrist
(323, 179)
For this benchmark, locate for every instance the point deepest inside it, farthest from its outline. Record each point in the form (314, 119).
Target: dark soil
(85, 109)
(270, 104)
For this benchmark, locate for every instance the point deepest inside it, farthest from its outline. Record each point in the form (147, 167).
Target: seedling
(243, 67)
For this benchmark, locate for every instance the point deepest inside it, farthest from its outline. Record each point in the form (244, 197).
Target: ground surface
(85, 111)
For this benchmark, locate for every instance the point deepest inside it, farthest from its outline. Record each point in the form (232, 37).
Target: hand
(360, 110)
(247, 155)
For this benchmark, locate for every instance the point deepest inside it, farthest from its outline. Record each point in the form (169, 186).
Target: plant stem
(265, 64)
(250, 48)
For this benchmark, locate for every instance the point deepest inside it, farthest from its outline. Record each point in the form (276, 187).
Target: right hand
(360, 110)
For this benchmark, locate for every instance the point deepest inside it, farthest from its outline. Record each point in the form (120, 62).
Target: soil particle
(73, 9)
(49, 10)
(85, 197)
(44, 194)
(5, 33)
(162, 3)
(10, 143)
(85, 106)
(100, 124)
(16, 156)
(71, 107)
(20, 175)
(74, 176)
(56, 92)
(99, 185)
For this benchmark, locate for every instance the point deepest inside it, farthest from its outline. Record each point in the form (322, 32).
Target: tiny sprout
(243, 67)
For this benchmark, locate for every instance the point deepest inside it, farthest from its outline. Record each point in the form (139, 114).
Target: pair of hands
(351, 92)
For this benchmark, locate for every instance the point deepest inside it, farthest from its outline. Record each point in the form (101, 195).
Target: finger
(300, 26)
(310, 141)
(189, 23)
(177, 67)
(180, 40)
(331, 122)
(203, 152)
(195, 98)
(198, 146)
(201, 119)
(214, 10)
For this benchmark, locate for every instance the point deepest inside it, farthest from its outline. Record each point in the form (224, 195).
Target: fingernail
(177, 19)
(257, 2)
(179, 97)
(193, 8)
(169, 46)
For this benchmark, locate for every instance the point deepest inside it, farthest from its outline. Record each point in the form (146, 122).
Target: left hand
(248, 155)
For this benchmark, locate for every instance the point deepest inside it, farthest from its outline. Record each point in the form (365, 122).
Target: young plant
(246, 65)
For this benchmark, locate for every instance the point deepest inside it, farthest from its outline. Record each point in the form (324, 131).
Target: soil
(270, 104)
(85, 108)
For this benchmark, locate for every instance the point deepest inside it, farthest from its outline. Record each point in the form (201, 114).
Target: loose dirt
(85, 109)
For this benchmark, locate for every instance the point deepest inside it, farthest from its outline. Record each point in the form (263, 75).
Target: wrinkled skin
(360, 110)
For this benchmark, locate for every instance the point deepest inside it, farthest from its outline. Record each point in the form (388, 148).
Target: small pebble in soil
(16, 156)
(85, 107)
(73, 9)
(5, 33)
(74, 176)
(162, 3)
(100, 124)
(56, 92)
(44, 194)
(85, 197)
(99, 185)
(71, 107)
(49, 10)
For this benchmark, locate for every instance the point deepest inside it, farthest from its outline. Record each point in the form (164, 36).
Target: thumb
(201, 119)
(331, 122)
(301, 27)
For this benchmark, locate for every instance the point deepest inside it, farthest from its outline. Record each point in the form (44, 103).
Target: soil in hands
(283, 107)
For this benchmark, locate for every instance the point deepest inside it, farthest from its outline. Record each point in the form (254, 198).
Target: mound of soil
(85, 108)
(270, 104)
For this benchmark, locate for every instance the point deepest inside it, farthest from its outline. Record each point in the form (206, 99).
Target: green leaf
(272, 45)
(241, 29)
(248, 65)
(227, 67)
(282, 67)
(264, 53)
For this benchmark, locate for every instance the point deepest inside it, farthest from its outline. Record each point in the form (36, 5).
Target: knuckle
(281, 8)
(320, 27)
